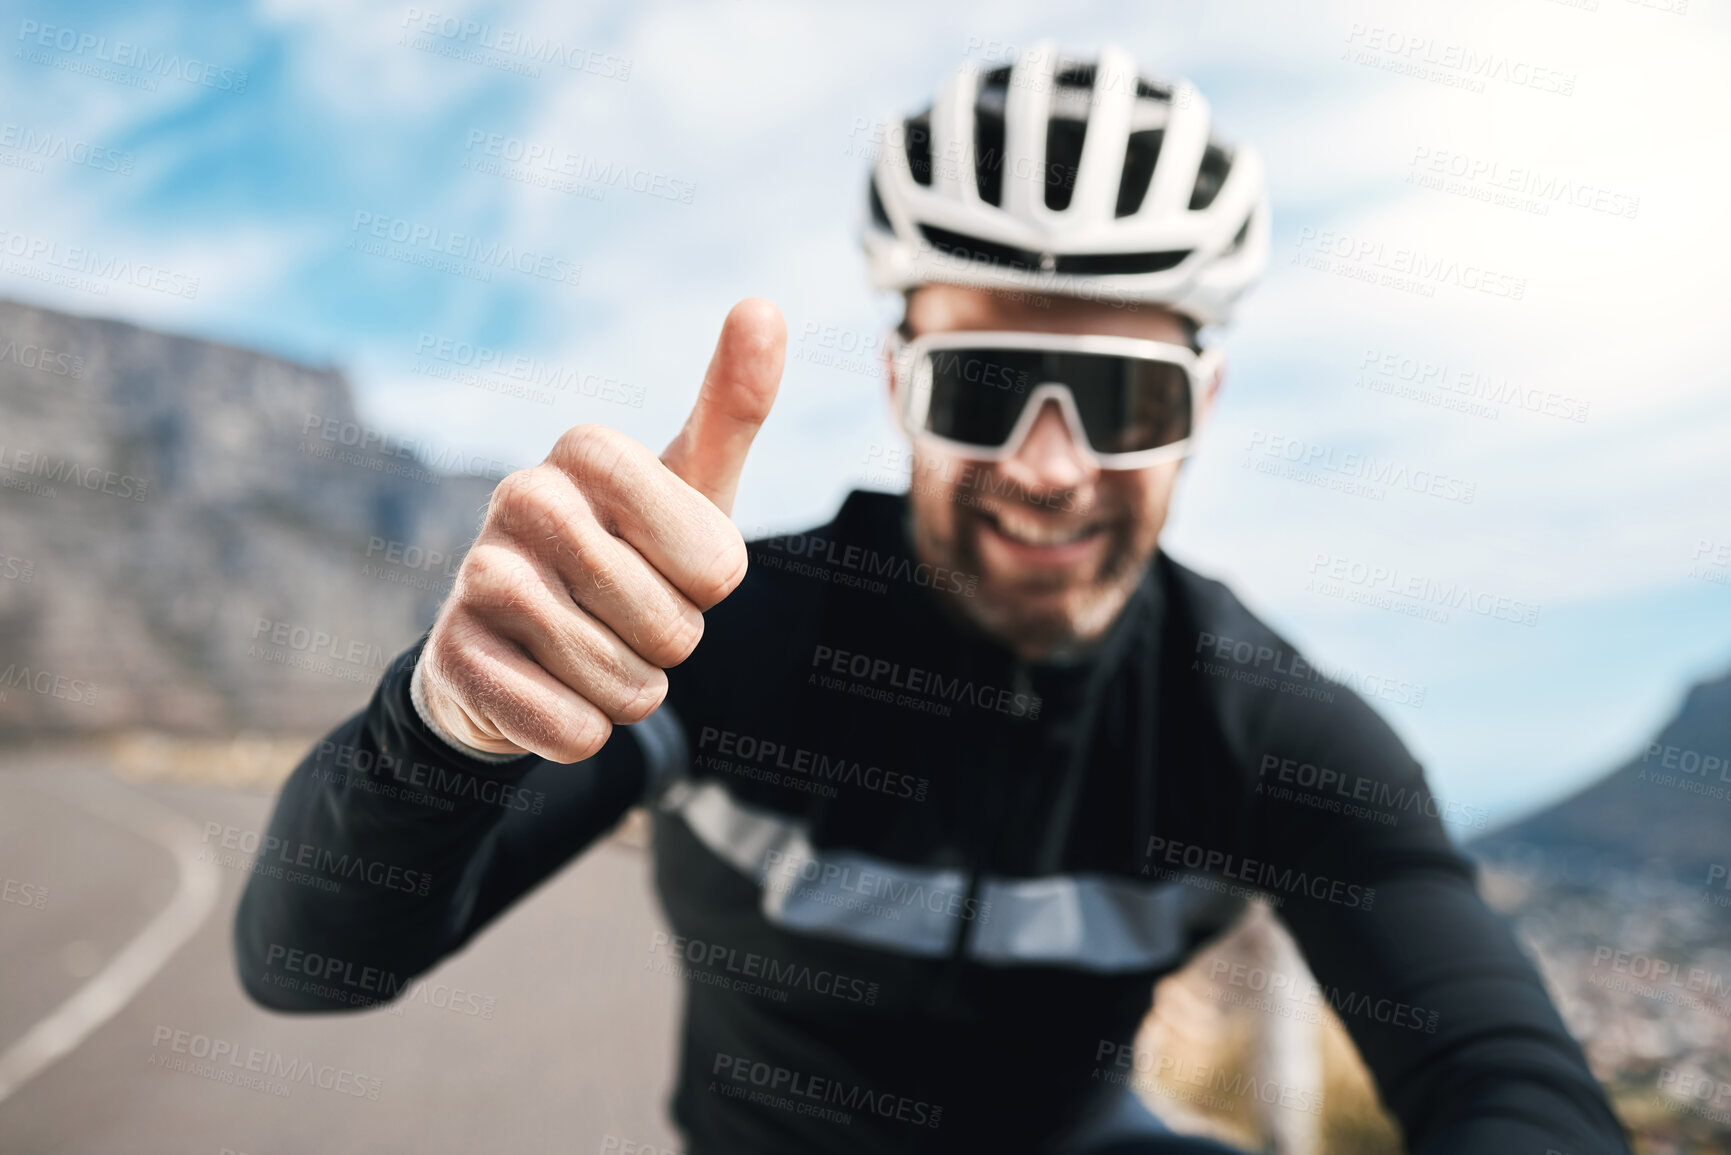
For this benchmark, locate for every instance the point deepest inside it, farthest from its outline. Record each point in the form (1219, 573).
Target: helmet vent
(989, 108)
(1076, 76)
(1237, 238)
(1210, 177)
(1120, 264)
(989, 155)
(1063, 154)
(954, 244)
(1140, 155)
(880, 218)
(919, 146)
(994, 94)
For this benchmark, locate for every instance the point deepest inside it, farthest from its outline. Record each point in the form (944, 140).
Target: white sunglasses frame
(911, 390)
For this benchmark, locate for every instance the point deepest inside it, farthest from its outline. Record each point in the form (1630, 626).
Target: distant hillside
(1665, 812)
(205, 535)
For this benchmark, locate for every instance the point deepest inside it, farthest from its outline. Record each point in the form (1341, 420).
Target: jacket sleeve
(1466, 1048)
(388, 849)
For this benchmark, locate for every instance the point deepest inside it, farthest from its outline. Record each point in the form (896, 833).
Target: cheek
(1144, 493)
(932, 498)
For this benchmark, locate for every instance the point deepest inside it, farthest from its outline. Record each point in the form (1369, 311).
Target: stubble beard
(1041, 617)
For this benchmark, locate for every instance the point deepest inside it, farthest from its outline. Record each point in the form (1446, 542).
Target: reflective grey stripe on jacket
(1088, 922)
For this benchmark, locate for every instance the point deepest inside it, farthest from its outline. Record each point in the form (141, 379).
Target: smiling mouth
(1035, 532)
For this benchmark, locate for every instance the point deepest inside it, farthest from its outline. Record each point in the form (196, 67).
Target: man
(961, 774)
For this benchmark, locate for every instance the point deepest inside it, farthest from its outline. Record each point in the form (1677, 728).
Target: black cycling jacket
(921, 889)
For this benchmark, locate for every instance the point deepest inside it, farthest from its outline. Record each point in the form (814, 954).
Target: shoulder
(1324, 772)
(1219, 618)
(1269, 698)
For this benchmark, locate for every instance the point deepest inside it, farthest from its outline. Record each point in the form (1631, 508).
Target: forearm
(388, 849)
(1466, 1047)
(1480, 1062)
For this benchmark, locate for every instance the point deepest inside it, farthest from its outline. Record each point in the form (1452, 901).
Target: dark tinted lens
(1126, 404)
(977, 394)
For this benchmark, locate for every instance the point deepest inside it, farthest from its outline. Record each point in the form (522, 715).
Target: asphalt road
(119, 1005)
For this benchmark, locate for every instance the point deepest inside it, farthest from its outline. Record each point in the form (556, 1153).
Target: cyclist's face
(1058, 545)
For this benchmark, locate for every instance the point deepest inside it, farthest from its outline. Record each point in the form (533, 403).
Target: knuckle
(497, 578)
(576, 441)
(591, 451)
(671, 638)
(511, 491)
(578, 736)
(725, 568)
(528, 505)
(641, 698)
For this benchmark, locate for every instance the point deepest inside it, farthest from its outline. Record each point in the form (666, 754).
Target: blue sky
(252, 147)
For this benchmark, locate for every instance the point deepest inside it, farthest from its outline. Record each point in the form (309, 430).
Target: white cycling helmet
(1069, 177)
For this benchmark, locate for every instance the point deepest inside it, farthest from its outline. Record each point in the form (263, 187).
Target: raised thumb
(738, 389)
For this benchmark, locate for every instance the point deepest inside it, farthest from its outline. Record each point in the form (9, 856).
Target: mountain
(1620, 895)
(1664, 814)
(201, 539)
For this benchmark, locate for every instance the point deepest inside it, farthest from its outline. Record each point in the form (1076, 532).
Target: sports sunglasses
(1129, 403)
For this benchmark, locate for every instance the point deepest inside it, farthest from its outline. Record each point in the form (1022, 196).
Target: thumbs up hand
(590, 574)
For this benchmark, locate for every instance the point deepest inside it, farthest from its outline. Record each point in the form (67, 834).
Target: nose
(1049, 458)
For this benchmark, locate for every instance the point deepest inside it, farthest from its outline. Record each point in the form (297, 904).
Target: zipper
(980, 846)
(991, 828)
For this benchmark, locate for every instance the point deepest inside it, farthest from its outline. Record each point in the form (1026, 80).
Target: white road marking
(136, 964)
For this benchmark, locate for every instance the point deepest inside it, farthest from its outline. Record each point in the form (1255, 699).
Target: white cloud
(756, 106)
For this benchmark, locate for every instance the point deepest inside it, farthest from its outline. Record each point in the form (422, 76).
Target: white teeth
(1032, 531)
